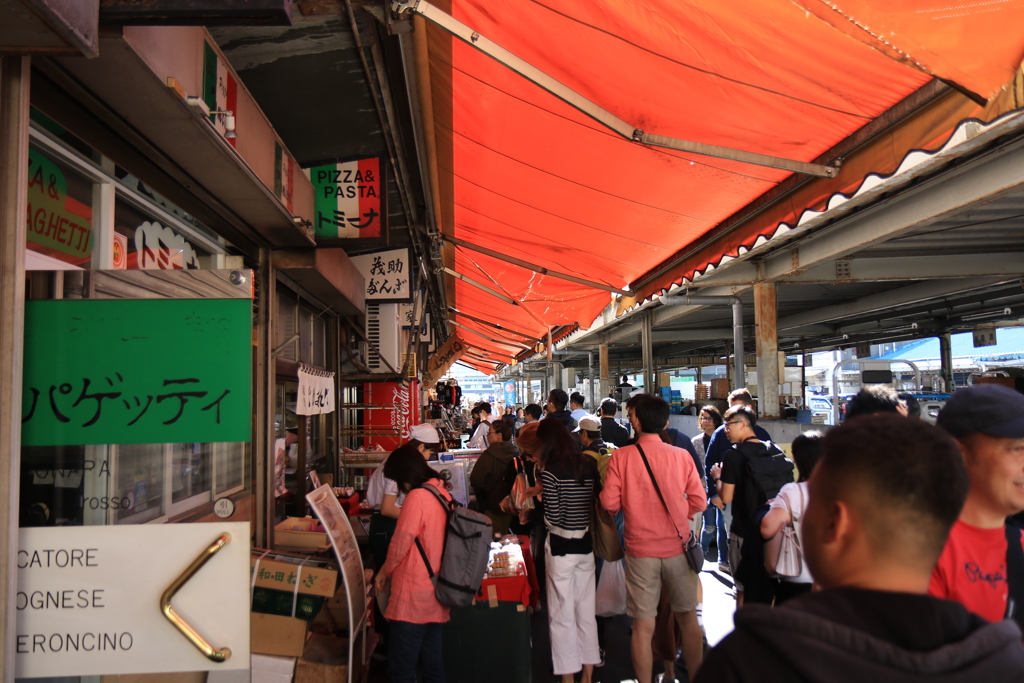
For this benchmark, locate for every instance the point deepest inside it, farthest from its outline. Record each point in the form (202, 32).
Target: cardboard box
(276, 635)
(268, 669)
(664, 379)
(296, 532)
(720, 388)
(324, 661)
(279, 571)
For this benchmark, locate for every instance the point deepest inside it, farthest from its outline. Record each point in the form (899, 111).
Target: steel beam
(767, 348)
(910, 294)
(875, 269)
(987, 178)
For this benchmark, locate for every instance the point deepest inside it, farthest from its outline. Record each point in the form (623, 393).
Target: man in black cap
(982, 563)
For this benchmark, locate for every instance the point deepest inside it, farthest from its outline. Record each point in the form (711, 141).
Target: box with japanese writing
(279, 572)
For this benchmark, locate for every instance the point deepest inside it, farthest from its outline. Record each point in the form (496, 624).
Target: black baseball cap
(987, 408)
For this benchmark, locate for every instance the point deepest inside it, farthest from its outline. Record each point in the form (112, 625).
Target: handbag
(691, 546)
(518, 501)
(783, 556)
(604, 533)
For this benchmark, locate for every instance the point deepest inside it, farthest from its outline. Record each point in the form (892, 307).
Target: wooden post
(14, 100)
(767, 350)
(946, 361)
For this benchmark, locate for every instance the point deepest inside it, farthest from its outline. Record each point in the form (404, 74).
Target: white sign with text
(88, 599)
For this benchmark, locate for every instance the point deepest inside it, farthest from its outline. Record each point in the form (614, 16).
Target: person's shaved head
(898, 483)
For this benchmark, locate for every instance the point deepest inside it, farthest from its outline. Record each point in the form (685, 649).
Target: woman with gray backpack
(415, 614)
(781, 525)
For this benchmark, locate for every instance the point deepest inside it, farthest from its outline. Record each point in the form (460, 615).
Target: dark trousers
(381, 530)
(415, 646)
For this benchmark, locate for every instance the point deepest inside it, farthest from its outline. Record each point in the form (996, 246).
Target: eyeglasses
(734, 422)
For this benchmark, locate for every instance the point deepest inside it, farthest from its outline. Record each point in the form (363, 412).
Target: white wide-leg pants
(570, 589)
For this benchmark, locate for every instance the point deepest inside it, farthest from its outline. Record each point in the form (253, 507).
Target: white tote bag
(610, 599)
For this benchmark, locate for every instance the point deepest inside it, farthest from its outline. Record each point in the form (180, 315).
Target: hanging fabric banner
(316, 391)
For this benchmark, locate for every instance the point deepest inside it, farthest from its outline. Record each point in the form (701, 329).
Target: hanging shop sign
(510, 393)
(88, 605)
(137, 371)
(316, 391)
(442, 359)
(220, 90)
(119, 249)
(284, 176)
(348, 199)
(160, 248)
(55, 220)
(387, 275)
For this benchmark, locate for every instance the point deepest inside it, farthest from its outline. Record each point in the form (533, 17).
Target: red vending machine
(401, 418)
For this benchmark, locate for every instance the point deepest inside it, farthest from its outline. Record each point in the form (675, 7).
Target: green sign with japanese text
(137, 371)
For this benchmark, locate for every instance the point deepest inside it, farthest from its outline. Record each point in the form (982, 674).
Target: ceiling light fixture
(1007, 311)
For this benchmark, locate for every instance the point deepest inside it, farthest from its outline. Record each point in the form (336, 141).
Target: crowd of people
(887, 548)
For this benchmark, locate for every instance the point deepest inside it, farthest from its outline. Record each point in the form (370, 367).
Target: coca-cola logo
(400, 418)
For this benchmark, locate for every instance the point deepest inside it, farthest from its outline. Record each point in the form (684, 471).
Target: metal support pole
(602, 355)
(946, 361)
(590, 379)
(739, 372)
(647, 344)
(767, 347)
(14, 104)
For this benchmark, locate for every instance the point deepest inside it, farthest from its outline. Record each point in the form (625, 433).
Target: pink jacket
(412, 593)
(649, 531)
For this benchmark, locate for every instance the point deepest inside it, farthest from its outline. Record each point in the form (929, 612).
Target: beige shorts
(644, 578)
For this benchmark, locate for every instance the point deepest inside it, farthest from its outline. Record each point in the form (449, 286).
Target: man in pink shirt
(654, 551)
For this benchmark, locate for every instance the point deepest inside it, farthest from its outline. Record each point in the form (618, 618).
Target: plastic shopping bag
(611, 591)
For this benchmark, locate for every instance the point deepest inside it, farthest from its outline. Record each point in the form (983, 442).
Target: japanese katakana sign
(348, 199)
(387, 275)
(137, 371)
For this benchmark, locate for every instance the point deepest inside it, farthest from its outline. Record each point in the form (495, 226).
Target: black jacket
(850, 635)
(614, 433)
(563, 416)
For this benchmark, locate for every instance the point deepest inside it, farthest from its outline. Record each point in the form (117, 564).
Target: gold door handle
(221, 655)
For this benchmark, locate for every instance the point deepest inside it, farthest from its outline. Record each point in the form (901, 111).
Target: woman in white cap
(386, 499)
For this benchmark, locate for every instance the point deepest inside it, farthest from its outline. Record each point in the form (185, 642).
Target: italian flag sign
(220, 89)
(348, 201)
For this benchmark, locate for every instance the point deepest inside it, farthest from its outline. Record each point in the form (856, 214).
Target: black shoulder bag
(1014, 574)
(691, 546)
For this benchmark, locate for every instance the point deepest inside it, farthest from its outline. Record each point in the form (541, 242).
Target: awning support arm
(590, 108)
(507, 342)
(452, 309)
(479, 285)
(532, 266)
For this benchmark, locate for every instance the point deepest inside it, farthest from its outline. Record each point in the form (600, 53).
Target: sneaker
(725, 568)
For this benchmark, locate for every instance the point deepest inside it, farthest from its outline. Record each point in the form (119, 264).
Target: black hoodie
(851, 635)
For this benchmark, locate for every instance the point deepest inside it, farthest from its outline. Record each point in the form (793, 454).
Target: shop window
(287, 323)
(148, 243)
(60, 220)
(306, 335)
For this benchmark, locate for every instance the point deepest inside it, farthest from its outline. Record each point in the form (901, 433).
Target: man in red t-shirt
(975, 568)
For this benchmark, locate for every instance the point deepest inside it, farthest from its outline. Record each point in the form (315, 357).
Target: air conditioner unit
(383, 329)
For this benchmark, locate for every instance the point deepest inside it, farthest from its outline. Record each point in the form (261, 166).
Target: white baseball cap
(425, 433)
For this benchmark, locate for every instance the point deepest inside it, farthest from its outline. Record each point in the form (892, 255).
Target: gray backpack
(467, 540)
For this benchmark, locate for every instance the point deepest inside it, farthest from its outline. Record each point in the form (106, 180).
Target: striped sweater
(567, 503)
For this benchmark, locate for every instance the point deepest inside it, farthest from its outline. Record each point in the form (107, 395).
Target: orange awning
(526, 174)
